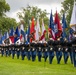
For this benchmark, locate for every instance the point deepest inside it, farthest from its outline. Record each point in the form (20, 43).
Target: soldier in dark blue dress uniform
(58, 50)
(33, 51)
(23, 52)
(18, 51)
(28, 52)
(9, 50)
(2, 51)
(45, 50)
(74, 49)
(70, 50)
(13, 51)
(6, 50)
(51, 50)
(0, 48)
(65, 50)
(39, 51)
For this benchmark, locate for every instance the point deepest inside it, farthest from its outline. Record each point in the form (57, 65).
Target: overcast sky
(16, 5)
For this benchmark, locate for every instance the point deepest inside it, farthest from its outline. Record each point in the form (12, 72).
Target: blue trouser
(2, 53)
(51, 56)
(66, 55)
(39, 56)
(71, 57)
(23, 54)
(70, 54)
(58, 56)
(45, 55)
(9, 52)
(28, 55)
(18, 54)
(74, 58)
(33, 53)
(6, 51)
(13, 54)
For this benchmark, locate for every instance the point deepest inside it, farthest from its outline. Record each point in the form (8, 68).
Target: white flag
(43, 32)
(73, 18)
(22, 31)
(37, 28)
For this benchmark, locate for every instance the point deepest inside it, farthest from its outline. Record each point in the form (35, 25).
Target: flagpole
(75, 16)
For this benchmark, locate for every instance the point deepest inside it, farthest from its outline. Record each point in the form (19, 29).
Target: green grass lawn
(9, 66)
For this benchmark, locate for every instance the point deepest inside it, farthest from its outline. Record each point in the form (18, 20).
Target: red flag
(32, 31)
(59, 27)
(11, 38)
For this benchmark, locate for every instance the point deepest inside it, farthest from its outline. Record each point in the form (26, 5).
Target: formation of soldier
(48, 49)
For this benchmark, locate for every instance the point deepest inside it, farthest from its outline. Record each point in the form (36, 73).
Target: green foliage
(9, 66)
(31, 11)
(4, 7)
(6, 23)
(67, 9)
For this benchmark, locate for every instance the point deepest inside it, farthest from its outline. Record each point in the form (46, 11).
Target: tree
(67, 9)
(31, 11)
(7, 23)
(4, 7)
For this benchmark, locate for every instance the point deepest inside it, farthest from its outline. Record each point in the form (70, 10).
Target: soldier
(65, 50)
(33, 51)
(0, 48)
(23, 51)
(51, 50)
(58, 50)
(70, 50)
(9, 50)
(39, 51)
(6, 50)
(74, 49)
(18, 51)
(13, 51)
(28, 52)
(45, 51)
(2, 51)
